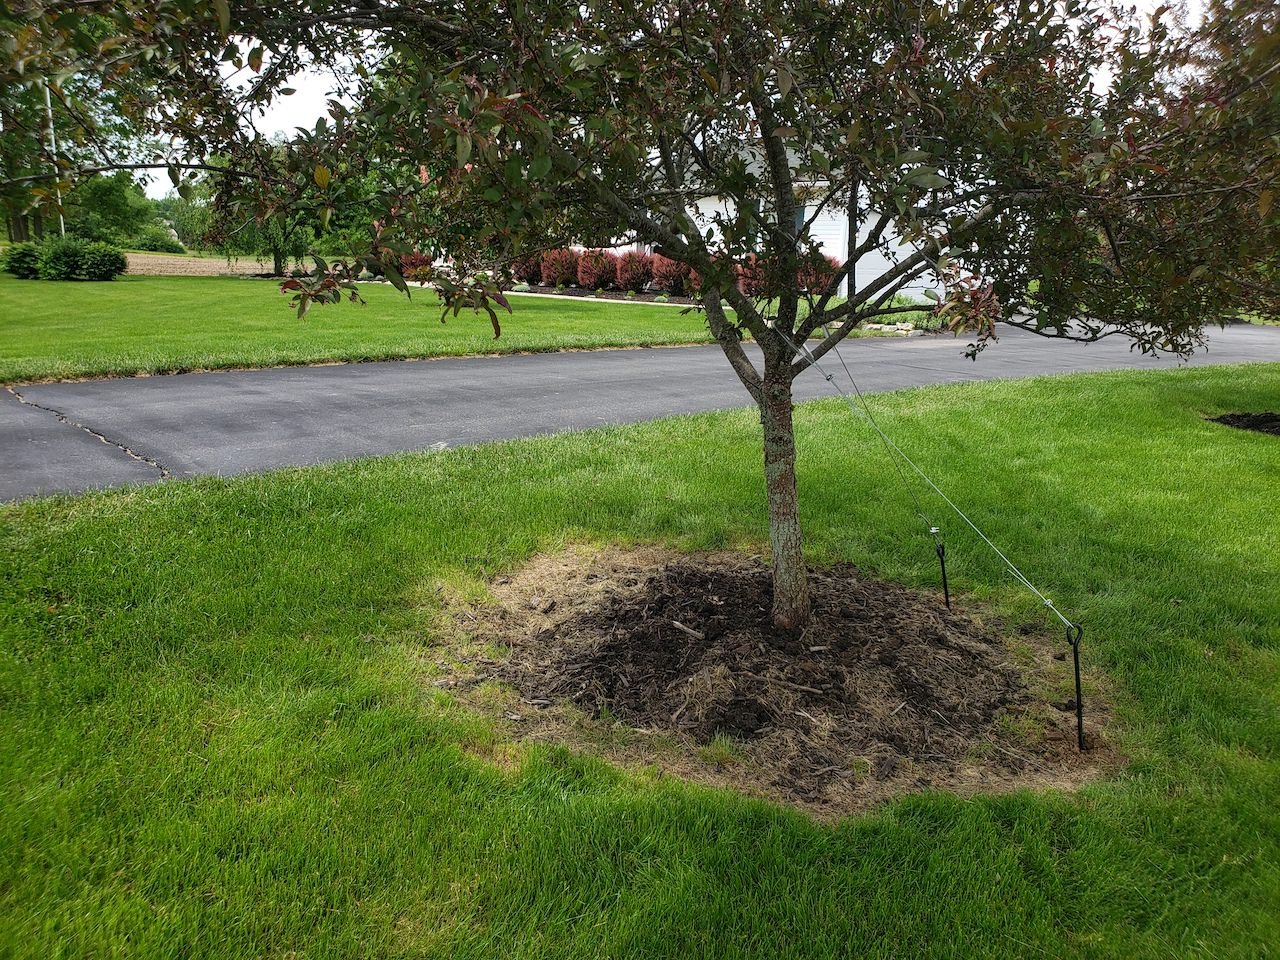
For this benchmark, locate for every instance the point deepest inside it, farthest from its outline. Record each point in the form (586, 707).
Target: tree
(191, 216)
(1059, 167)
(110, 207)
(87, 124)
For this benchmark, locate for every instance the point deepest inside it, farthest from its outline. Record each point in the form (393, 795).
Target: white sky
(303, 109)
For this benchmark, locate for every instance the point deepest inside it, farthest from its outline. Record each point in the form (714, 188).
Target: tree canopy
(1067, 167)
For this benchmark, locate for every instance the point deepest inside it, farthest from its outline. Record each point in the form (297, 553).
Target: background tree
(109, 207)
(1060, 167)
(191, 217)
(89, 126)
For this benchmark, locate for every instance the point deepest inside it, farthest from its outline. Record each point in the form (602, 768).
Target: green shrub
(70, 258)
(157, 240)
(101, 261)
(925, 319)
(22, 260)
(60, 258)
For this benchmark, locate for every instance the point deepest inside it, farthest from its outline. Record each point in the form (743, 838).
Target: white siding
(830, 229)
(831, 232)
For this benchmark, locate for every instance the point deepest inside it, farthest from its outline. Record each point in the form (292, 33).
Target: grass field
(219, 735)
(167, 324)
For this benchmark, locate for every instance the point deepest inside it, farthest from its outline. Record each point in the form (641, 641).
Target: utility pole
(53, 150)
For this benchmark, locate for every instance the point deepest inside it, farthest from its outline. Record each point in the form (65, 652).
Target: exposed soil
(886, 692)
(169, 265)
(1259, 422)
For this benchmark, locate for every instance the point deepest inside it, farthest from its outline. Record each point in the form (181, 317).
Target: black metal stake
(1074, 634)
(942, 562)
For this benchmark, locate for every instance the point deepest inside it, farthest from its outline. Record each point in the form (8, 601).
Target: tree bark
(790, 575)
(18, 232)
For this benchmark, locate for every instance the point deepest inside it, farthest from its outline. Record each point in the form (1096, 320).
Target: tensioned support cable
(1075, 631)
(939, 547)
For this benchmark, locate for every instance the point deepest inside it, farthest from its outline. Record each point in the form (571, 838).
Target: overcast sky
(303, 109)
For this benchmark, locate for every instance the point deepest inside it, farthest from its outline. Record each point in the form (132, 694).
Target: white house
(830, 231)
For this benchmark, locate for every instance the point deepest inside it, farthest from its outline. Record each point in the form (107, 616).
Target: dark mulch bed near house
(646, 296)
(887, 691)
(1259, 422)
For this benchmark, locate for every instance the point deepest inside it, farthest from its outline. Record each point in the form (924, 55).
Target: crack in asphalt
(124, 448)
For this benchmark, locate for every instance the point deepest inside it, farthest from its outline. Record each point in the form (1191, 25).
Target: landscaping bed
(642, 296)
(1259, 422)
(885, 692)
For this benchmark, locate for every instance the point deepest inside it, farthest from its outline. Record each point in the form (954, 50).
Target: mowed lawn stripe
(169, 324)
(220, 734)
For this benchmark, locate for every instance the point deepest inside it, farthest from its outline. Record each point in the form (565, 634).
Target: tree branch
(107, 168)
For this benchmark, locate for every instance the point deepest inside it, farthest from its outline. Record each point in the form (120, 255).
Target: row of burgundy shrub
(560, 268)
(670, 276)
(528, 269)
(694, 284)
(756, 277)
(598, 270)
(635, 270)
(761, 277)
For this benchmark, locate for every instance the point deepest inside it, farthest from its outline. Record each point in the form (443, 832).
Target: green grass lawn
(219, 735)
(167, 324)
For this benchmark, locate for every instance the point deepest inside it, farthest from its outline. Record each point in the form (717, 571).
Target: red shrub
(410, 262)
(597, 270)
(527, 269)
(756, 277)
(695, 280)
(634, 270)
(814, 275)
(762, 278)
(560, 268)
(671, 276)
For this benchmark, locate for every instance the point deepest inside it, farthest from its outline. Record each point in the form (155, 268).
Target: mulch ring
(1260, 422)
(655, 657)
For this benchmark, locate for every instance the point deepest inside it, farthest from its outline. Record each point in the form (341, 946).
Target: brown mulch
(886, 692)
(1260, 422)
(643, 296)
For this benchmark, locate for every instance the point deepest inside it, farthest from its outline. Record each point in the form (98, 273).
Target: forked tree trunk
(17, 224)
(790, 575)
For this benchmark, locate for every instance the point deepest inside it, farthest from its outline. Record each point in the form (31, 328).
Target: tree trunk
(790, 575)
(277, 260)
(18, 228)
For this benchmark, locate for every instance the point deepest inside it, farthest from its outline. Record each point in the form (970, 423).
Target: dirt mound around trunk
(885, 691)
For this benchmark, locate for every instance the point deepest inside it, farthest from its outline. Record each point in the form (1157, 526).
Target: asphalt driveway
(68, 437)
